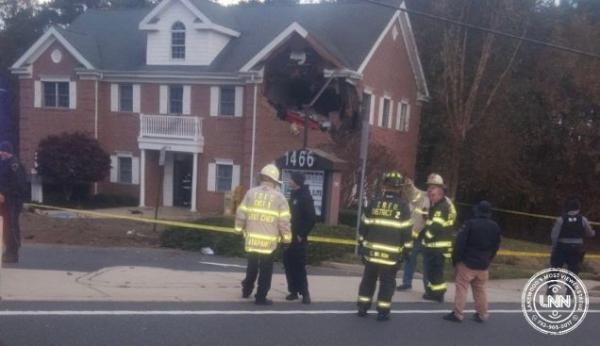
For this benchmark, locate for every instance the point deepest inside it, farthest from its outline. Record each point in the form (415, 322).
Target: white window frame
(120, 97)
(390, 112)
(213, 177)
(215, 101)
(403, 119)
(115, 171)
(173, 45)
(169, 108)
(40, 97)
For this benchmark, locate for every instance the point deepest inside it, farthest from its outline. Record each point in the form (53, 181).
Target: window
(404, 120)
(366, 106)
(224, 177)
(178, 41)
(227, 101)
(125, 170)
(385, 115)
(126, 97)
(56, 94)
(175, 99)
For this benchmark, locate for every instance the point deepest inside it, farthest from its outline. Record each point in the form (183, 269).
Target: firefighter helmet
(272, 172)
(393, 179)
(435, 180)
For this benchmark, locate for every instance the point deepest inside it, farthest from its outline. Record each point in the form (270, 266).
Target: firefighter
(385, 228)
(437, 238)
(263, 218)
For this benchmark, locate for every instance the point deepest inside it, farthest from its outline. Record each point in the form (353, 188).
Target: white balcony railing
(170, 126)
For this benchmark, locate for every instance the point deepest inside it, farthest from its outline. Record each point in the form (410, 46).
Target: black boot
(263, 301)
(383, 316)
(306, 298)
(292, 296)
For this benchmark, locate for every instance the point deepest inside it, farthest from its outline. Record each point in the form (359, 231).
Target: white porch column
(143, 178)
(194, 183)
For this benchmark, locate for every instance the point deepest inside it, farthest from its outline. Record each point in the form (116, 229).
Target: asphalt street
(26, 323)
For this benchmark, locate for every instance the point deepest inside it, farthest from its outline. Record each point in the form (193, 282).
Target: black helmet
(393, 179)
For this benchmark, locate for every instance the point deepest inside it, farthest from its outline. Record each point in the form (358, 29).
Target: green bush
(225, 244)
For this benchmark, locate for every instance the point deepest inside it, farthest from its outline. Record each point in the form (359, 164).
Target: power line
(484, 29)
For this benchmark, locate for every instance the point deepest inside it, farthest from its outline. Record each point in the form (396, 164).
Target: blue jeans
(411, 263)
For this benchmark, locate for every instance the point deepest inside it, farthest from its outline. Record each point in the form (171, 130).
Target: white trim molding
(276, 42)
(42, 44)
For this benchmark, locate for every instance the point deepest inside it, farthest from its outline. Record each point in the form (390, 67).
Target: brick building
(203, 83)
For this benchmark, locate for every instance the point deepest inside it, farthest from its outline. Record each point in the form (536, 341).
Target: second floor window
(385, 115)
(178, 41)
(126, 97)
(227, 101)
(175, 99)
(56, 94)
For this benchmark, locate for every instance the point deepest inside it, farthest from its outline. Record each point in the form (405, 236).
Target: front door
(182, 180)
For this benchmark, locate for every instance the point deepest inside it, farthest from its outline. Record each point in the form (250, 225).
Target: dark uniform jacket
(13, 182)
(386, 226)
(303, 213)
(437, 233)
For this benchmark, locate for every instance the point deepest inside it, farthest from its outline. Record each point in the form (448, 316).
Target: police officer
(263, 218)
(385, 228)
(13, 189)
(567, 237)
(437, 238)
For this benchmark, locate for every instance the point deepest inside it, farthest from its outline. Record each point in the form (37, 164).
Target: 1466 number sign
(299, 159)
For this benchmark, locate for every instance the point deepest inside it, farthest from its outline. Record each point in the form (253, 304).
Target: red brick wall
(389, 72)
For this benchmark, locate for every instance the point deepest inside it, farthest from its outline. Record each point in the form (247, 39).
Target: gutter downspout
(252, 159)
(96, 122)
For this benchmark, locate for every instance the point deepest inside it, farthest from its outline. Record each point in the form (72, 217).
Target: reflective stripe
(440, 221)
(421, 211)
(448, 255)
(384, 304)
(415, 234)
(408, 245)
(380, 261)
(439, 287)
(285, 214)
(428, 235)
(387, 223)
(238, 229)
(287, 238)
(263, 236)
(257, 250)
(378, 246)
(364, 299)
(437, 244)
(418, 195)
(245, 209)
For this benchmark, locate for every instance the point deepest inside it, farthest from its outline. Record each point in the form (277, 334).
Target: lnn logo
(555, 302)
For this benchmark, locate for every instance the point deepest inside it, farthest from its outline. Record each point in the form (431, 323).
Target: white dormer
(179, 34)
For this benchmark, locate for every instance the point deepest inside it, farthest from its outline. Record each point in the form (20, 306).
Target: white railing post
(170, 126)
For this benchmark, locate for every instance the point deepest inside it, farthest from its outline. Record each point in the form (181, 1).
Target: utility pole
(364, 149)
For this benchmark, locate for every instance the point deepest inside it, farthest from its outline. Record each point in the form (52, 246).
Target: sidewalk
(68, 273)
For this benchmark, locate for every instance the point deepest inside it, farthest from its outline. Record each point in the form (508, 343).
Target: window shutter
(163, 99)
(187, 96)
(137, 100)
(135, 170)
(37, 94)
(235, 176)
(214, 101)
(390, 123)
(239, 101)
(407, 120)
(114, 97)
(372, 111)
(114, 169)
(399, 119)
(380, 120)
(73, 95)
(212, 177)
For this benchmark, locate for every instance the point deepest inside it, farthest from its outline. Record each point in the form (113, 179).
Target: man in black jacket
(13, 187)
(303, 220)
(476, 245)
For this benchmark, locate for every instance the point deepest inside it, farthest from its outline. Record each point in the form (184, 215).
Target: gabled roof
(110, 40)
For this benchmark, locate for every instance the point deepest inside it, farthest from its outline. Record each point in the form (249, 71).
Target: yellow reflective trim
(447, 255)
(262, 236)
(380, 261)
(408, 245)
(257, 250)
(238, 229)
(439, 287)
(437, 244)
(285, 214)
(384, 304)
(387, 223)
(415, 233)
(364, 299)
(417, 197)
(428, 235)
(378, 246)
(259, 211)
(421, 211)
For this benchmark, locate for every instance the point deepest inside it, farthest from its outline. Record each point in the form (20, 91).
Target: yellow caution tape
(203, 227)
(514, 212)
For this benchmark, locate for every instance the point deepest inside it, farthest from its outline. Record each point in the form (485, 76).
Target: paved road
(282, 324)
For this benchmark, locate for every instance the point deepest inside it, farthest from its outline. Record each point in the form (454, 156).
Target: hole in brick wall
(294, 77)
